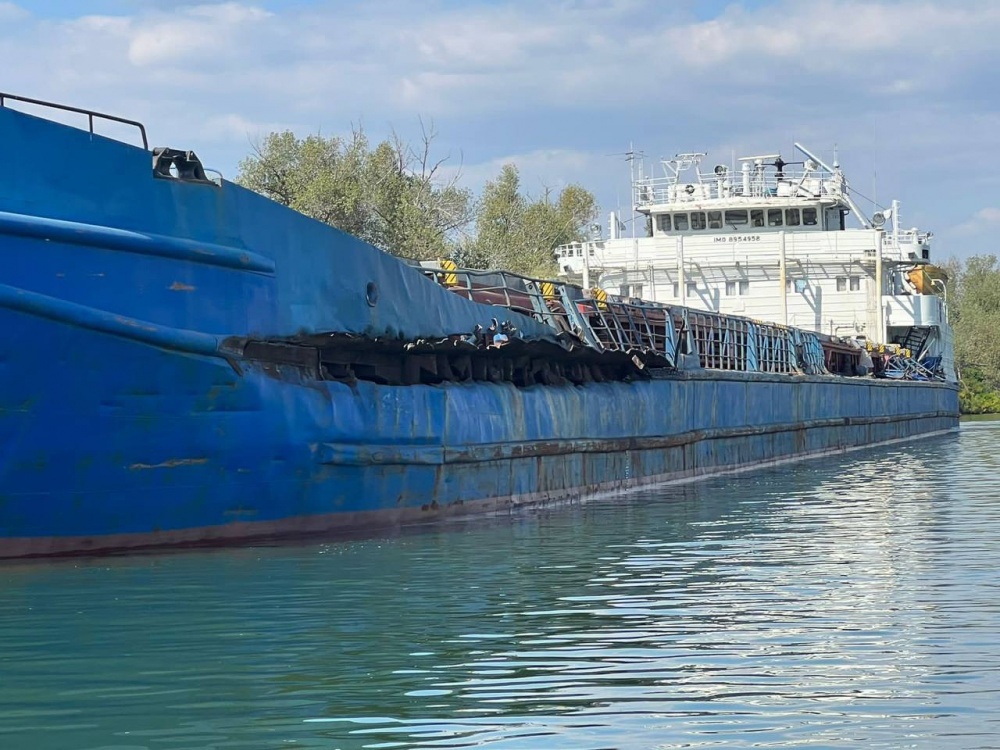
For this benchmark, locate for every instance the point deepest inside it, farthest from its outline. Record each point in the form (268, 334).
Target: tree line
(974, 313)
(401, 198)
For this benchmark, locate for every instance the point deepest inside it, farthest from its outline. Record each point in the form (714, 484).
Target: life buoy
(689, 189)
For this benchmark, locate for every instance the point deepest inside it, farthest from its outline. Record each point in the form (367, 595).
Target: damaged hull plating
(187, 363)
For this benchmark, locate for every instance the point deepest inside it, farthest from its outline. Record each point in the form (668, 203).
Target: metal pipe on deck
(879, 288)
(681, 280)
(782, 277)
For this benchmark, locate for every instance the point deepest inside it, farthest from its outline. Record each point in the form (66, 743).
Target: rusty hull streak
(179, 286)
(172, 463)
(359, 455)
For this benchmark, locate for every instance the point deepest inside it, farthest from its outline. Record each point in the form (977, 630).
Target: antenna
(874, 164)
(874, 182)
(630, 158)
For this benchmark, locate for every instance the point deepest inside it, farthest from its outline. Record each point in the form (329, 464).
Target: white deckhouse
(770, 240)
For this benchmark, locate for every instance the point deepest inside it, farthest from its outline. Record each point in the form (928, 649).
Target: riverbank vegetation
(402, 198)
(974, 312)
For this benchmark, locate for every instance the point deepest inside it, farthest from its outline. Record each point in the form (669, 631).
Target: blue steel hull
(126, 422)
(164, 448)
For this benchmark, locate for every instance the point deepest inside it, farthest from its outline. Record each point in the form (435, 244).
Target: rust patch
(179, 286)
(173, 463)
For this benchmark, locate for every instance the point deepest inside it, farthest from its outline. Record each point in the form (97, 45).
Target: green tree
(518, 233)
(974, 312)
(499, 225)
(393, 195)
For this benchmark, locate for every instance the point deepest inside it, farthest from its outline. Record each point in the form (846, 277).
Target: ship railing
(647, 191)
(535, 298)
(723, 342)
(904, 240)
(620, 324)
(90, 114)
(900, 367)
(727, 343)
(720, 342)
(608, 322)
(603, 322)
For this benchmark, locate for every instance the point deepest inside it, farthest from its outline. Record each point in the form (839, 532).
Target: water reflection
(839, 603)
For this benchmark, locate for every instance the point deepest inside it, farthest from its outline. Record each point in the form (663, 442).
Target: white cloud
(195, 36)
(983, 221)
(517, 56)
(897, 84)
(539, 170)
(234, 127)
(12, 12)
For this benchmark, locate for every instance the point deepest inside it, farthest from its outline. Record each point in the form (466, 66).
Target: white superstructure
(771, 240)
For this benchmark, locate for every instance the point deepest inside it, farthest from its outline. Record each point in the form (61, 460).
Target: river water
(836, 603)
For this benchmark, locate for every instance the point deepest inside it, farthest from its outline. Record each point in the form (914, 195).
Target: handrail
(91, 114)
(607, 322)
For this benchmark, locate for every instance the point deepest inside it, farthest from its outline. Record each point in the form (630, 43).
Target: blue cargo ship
(187, 362)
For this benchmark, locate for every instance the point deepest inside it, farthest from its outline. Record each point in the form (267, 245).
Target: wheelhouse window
(715, 219)
(774, 218)
(681, 222)
(663, 221)
(698, 220)
(692, 288)
(841, 283)
(744, 288)
(809, 217)
(736, 218)
(730, 288)
(740, 288)
(756, 217)
(855, 283)
(675, 289)
(792, 217)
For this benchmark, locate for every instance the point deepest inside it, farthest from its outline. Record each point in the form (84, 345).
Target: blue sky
(905, 90)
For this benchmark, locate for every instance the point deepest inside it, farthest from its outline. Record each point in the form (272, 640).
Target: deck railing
(606, 322)
(89, 113)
